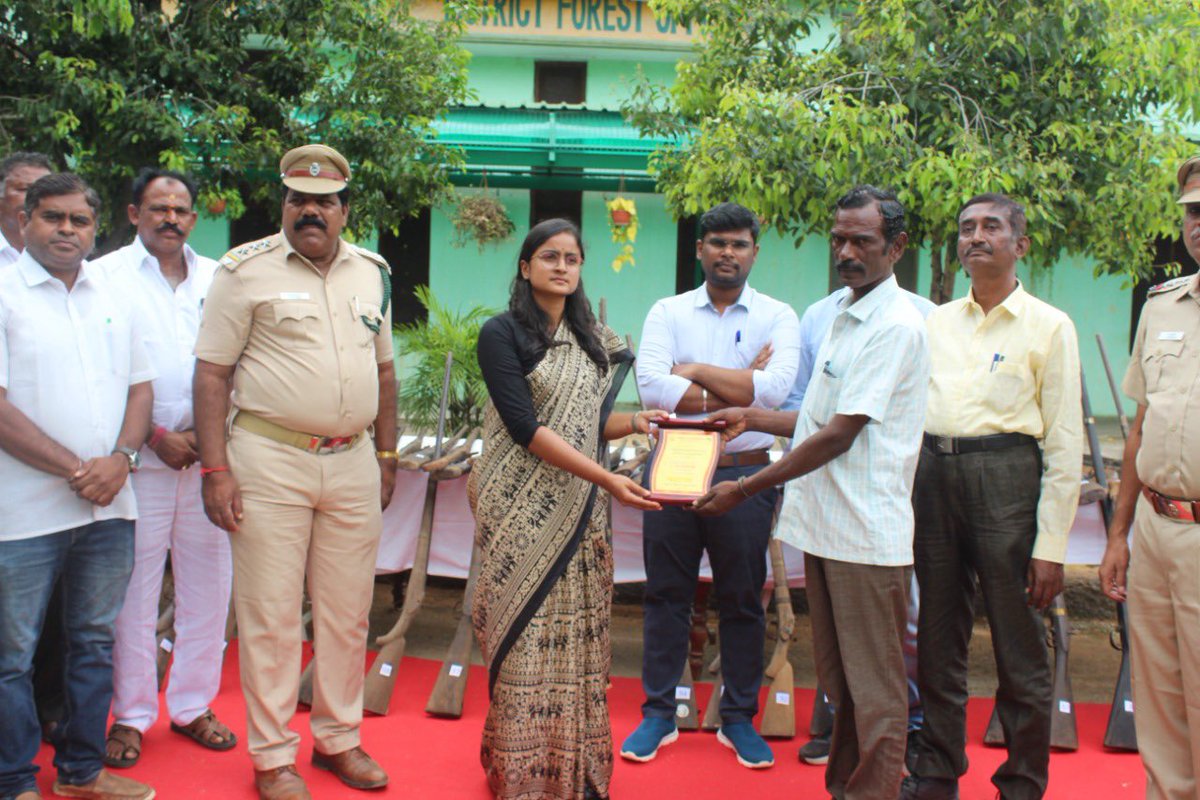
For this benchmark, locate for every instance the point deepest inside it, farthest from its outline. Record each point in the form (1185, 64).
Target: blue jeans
(94, 562)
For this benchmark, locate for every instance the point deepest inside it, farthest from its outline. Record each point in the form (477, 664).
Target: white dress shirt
(874, 362)
(687, 329)
(8, 253)
(169, 320)
(67, 360)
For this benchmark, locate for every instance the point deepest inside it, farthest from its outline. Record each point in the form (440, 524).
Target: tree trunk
(935, 272)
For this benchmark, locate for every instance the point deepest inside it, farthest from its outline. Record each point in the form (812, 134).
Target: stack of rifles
(451, 457)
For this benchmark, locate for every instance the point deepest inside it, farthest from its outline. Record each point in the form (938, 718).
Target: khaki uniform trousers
(319, 512)
(1164, 621)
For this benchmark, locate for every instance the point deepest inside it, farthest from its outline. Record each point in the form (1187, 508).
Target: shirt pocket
(366, 313)
(1008, 385)
(824, 389)
(297, 323)
(1160, 362)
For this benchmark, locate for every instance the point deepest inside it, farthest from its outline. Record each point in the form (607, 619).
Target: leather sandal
(203, 728)
(129, 740)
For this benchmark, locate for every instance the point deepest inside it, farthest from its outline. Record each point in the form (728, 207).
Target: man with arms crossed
(1160, 496)
(701, 351)
(75, 399)
(855, 443)
(990, 503)
(163, 281)
(297, 322)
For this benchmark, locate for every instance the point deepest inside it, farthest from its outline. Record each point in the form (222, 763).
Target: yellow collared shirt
(1015, 370)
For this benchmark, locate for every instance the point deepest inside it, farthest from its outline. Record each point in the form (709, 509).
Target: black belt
(957, 445)
(746, 458)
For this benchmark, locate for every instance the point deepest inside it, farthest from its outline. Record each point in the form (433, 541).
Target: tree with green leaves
(223, 89)
(1075, 107)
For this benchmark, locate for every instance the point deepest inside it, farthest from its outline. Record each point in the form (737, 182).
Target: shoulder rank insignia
(1170, 285)
(237, 255)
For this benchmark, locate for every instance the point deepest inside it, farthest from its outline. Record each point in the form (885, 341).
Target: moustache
(850, 264)
(305, 222)
(170, 226)
(979, 248)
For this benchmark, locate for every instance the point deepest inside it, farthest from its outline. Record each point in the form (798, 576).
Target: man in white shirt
(719, 346)
(163, 282)
(18, 171)
(854, 455)
(75, 398)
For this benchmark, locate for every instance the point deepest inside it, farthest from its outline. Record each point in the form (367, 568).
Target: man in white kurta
(163, 282)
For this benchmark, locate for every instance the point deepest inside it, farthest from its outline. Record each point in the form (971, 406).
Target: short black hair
(57, 184)
(1016, 211)
(729, 217)
(147, 175)
(890, 208)
(343, 195)
(23, 159)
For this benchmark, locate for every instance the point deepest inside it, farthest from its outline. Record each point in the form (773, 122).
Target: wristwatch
(135, 458)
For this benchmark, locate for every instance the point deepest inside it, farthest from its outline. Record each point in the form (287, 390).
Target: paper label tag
(293, 296)
(783, 698)
(455, 670)
(1170, 336)
(1128, 706)
(683, 692)
(167, 645)
(1064, 707)
(681, 710)
(385, 670)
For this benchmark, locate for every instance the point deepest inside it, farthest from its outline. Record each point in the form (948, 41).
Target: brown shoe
(29, 795)
(353, 767)
(106, 786)
(281, 783)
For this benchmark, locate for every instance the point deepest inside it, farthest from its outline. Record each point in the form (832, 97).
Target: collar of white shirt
(143, 259)
(700, 298)
(865, 306)
(1014, 304)
(34, 273)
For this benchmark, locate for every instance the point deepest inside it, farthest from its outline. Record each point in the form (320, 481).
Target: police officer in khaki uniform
(299, 323)
(1160, 495)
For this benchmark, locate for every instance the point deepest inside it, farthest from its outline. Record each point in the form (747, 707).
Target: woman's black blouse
(507, 353)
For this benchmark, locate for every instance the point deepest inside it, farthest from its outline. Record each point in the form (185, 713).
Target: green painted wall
(508, 81)
(210, 237)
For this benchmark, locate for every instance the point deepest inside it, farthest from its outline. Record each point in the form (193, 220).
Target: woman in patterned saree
(541, 607)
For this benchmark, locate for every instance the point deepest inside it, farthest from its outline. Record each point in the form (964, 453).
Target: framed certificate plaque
(684, 460)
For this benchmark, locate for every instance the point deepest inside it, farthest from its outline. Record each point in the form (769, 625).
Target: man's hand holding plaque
(726, 494)
(684, 459)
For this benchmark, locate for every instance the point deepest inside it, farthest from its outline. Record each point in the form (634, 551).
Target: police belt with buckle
(1173, 508)
(958, 445)
(321, 445)
(747, 458)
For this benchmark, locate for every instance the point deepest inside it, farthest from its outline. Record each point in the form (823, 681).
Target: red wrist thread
(157, 436)
(206, 471)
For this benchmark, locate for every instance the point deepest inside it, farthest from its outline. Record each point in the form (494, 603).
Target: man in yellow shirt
(1160, 479)
(990, 502)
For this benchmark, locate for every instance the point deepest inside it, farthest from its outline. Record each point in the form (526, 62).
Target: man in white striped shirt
(856, 440)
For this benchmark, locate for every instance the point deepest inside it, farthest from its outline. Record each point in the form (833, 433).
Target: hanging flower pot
(216, 207)
(620, 217)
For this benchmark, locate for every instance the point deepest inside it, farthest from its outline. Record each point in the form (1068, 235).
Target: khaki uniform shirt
(1164, 376)
(1015, 370)
(305, 358)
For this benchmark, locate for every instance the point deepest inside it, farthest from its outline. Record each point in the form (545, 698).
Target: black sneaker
(917, 788)
(816, 750)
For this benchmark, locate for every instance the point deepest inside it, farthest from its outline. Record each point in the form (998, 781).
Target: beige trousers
(1164, 622)
(314, 512)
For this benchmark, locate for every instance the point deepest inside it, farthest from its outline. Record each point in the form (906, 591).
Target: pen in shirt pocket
(997, 358)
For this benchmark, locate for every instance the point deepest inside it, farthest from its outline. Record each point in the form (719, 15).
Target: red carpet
(438, 758)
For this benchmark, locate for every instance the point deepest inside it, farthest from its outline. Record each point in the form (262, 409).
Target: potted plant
(623, 224)
(481, 218)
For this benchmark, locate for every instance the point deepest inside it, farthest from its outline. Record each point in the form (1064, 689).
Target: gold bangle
(388, 454)
(633, 423)
(741, 484)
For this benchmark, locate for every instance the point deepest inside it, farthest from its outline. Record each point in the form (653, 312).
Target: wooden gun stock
(165, 635)
(416, 459)
(779, 716)
(1119, 734)
(458, 453)
(712, 712)
(446, 699)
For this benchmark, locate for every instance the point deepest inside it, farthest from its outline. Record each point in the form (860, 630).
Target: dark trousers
(976, 515)
(673, 540)
(50, 663)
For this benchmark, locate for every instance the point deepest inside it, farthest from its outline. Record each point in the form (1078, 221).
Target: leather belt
(320, 445)
(958, 445)
(1173, 508)
(747, 458)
